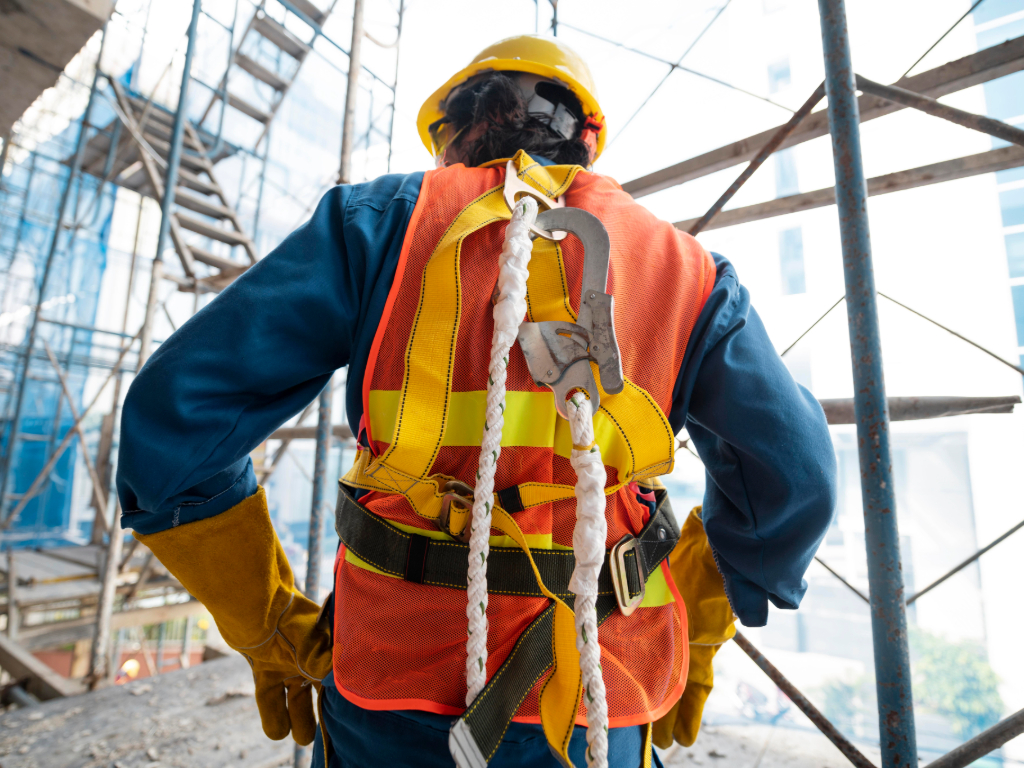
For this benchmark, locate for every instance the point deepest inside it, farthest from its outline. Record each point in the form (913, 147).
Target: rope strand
(509, 311)
(588, 540)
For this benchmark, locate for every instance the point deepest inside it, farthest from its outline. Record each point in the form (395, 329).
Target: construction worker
(403, 279)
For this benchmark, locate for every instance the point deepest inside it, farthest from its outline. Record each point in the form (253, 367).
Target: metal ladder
(132, 152)
(139, 163)
(285, 42)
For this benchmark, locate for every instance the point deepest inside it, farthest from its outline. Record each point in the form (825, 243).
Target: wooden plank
(279, 36)
(200, 205)
(341, 431)
(41, 595)
(209, 230)
(981, 67)
(87, 555)
(35, 567)
(936, 173)
(260, 72)
(218, 262)
(249, 109)
(188, 179)
(42, 682)
(840, 411)
(314, 13)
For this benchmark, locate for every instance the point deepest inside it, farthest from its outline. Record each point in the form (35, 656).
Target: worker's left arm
(256, 355)
(768, 455)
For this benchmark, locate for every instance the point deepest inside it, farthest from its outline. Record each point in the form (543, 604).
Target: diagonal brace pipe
(935, 108)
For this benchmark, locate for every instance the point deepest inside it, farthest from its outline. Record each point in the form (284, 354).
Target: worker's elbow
(139, 427)
(813, 491)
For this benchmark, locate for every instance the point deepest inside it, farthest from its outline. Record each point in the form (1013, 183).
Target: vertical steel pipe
(170, 183)
(3, 156)
(100, 658)
(885, 576)
(348, 128)
(316, 515)
(13, 616)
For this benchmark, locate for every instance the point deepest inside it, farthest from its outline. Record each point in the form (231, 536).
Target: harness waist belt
(423, 560)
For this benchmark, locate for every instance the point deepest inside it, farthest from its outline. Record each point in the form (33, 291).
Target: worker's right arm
(256, 355)
(766, 448)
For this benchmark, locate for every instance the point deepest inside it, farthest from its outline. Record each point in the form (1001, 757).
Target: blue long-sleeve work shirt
(266, 346)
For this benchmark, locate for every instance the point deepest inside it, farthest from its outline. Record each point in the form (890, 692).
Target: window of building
(1015, 254)
(786, 181)
(1005, 97)
(791, 262)
(1009, 175)
(1018, 311)
(778, 75)
(1012, 204)
(798, 361)
(1000, 34)
(996, 9)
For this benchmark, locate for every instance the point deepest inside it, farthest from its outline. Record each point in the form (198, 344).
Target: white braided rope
(509, 310)
(588, 540)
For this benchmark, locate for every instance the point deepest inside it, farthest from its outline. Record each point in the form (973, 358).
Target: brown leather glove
(234, 564)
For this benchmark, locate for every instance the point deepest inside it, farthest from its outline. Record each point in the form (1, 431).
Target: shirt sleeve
(256, 355)
(766, 448)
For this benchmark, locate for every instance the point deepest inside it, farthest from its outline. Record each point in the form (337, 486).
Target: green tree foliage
(955, 680)
(839, 700)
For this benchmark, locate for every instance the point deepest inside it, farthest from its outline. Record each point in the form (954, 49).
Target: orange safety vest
(401, 645)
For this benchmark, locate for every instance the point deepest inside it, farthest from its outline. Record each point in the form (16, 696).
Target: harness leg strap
(480, 730)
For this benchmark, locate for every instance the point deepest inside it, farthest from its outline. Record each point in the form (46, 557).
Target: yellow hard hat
(542, 56)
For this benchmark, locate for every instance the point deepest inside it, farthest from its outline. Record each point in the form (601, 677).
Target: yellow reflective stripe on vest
(633, 433)
(532, 422)
(425, 400)
(530, 419)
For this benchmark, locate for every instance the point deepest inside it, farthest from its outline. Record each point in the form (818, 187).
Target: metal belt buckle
(461, 495)
(620, 582)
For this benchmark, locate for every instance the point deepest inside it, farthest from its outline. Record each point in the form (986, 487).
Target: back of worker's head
(496, 114)
(527, 92)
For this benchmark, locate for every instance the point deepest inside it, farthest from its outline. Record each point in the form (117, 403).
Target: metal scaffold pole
(323, 426)
(170, 184)
(885, 576)
(348, 130)
(316, 517)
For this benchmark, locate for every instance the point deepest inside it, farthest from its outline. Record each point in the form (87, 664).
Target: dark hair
(495, 99)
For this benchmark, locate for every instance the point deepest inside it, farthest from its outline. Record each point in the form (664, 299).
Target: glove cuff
(234, 564)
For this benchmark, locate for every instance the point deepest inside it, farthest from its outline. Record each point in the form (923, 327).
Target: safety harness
(567, 354)
(423, 560)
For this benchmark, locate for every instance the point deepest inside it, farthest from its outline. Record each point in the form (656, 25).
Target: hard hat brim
(431, 110)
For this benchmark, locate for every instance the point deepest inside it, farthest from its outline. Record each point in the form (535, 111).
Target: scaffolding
(56, 208)
(58, 199)
(870, 409)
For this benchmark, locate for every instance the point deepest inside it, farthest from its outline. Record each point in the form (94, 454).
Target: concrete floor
(760, 746)
(206, 718)
(200, 718)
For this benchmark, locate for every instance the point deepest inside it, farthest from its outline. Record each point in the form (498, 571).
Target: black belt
(419, 559)
(423, 560)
